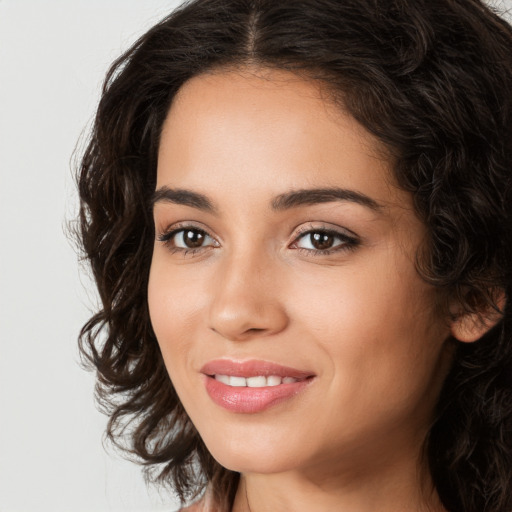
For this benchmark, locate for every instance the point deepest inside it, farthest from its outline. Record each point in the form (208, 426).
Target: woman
(298, 216)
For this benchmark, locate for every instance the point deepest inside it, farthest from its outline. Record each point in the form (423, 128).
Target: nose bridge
(245, 296)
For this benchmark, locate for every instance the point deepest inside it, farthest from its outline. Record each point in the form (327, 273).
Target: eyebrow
(303, 197)
(183, 197)
(286, 201)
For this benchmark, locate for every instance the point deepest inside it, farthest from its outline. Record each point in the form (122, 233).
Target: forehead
(243, 126)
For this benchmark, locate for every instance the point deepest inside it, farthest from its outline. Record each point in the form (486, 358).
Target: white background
(53, 56)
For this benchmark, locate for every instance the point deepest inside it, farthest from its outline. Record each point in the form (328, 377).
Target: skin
(359, 317)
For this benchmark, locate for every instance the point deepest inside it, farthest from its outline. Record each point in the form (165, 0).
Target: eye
(187, 239)
(191, 239)
(324, 241)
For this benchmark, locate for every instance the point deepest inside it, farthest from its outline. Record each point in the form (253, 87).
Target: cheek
(378, 327)
(174, 312)
(174, 309)
(369, 300)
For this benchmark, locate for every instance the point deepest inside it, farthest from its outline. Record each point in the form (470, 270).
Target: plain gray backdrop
(53, 56)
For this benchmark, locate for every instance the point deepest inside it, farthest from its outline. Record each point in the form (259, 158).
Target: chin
(246, 464)
(250, 455)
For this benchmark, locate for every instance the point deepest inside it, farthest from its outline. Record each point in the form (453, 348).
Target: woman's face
(283, 290)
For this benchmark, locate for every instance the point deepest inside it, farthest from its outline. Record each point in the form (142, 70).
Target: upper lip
(252, 368)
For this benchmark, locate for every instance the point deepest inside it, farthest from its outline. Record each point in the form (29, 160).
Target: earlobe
(468, 327)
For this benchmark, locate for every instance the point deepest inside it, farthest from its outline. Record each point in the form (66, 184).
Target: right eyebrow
(182, 196)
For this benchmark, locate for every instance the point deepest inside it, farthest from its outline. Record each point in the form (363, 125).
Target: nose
(246, 300)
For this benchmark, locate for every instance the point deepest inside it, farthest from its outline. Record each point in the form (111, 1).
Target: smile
(259, 381)
(252, 386)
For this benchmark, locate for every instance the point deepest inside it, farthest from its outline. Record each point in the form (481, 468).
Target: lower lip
(251, 400)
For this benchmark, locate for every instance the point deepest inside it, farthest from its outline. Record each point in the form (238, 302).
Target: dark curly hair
(432, 79)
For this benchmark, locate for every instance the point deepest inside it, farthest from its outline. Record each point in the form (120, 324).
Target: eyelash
(168, 236)
(348, 242)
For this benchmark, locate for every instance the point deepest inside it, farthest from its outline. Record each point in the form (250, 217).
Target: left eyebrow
(303, 197)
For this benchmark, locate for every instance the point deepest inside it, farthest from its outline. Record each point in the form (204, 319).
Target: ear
(469, 327)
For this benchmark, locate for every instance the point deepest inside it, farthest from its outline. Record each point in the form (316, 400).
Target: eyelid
(166, 237)
(328, 228)
(169, 234)
(349, 239)
(182, 225)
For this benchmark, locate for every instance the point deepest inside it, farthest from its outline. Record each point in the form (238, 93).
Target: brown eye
(321, 241)
(187, 238)
(325, 241)
(192, 238)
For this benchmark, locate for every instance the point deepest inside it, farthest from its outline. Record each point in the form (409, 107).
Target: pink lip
(251, 400)
(252, 368)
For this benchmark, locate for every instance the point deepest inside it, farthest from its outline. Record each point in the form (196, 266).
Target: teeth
(223, 378)
(259, 381)
(273, 380)
(238, 382)
(256, 382)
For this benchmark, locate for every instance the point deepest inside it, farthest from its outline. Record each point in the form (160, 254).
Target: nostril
(242, 318)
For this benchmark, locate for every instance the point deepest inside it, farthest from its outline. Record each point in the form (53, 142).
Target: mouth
(258, 381)
(252, 386)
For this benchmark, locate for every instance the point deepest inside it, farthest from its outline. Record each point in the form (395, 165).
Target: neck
(387, 489)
